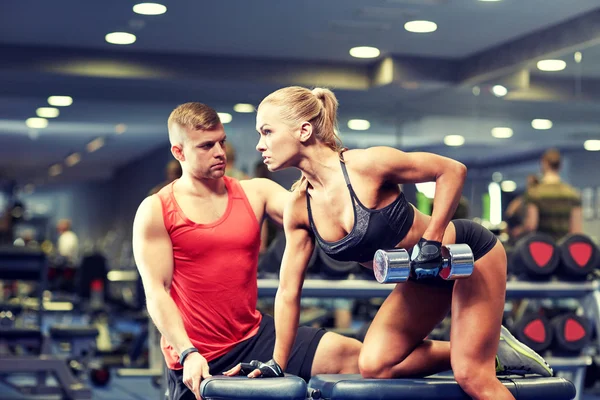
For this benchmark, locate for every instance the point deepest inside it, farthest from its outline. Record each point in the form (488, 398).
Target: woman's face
(278, 142)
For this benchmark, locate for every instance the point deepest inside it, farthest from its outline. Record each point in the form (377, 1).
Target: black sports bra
(372, 230)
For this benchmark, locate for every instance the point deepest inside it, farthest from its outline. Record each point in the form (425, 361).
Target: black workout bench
(354, 387)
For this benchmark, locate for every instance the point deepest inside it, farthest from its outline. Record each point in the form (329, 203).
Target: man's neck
(201, 187)
(551, 177)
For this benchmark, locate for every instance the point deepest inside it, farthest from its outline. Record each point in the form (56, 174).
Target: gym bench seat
(354, 387)
(242, 388)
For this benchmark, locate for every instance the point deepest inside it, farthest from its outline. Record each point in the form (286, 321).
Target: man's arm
(153, 254)
(276, 198)
(576, 220)
(532, 218)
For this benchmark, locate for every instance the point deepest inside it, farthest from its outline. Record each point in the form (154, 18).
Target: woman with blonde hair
(349, 202)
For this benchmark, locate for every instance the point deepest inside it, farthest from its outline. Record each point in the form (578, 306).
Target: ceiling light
(73, 159)
(243, 108)
(499, 91)
(149, 9)
(120, 128)
(95, 144)
(476, 90)
(225, 117)
(420, 26)
(60, 101)
(47, 112)
(551, 65)
(497, 176)
(508, 186)
(55, 170)
(364, 52)
(36, 123)
(502, 132)
(578, 57)
(359, 124)
(541, 124)
(454, 140)
(592, 145)
(120, 38)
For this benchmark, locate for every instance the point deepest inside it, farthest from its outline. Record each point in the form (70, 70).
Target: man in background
(172, 172)
(68, 243)
(553, 206)
(231, 170)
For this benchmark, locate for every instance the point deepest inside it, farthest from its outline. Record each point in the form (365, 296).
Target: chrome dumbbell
(394, 266)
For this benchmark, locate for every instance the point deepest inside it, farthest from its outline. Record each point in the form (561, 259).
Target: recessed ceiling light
(243, 108)
(578, 57)
(73, 159)
(120, 128)
(95, 144)
(508, 186)
(502, 132)
(454, 140)
(551, 65)
(120, 38)
(541, 124)
(29, 188)
(499, 90)
(60, 101)
(225, 117)
(47, 112)
(55, 170)
(476, 90)
(359, 124)
(149, 9)
(365, 52)
(420, 26)
(592, 145)
(36, 123)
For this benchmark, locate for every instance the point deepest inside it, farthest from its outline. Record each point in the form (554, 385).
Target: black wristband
(186, 353)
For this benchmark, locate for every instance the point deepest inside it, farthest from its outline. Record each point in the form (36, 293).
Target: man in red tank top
(196, 245)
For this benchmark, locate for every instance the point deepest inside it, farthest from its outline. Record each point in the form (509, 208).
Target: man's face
(203, 152)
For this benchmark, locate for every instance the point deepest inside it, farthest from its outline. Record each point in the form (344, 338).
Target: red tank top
(214, 276)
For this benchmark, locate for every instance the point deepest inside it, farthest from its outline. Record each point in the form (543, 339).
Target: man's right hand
(195, 368)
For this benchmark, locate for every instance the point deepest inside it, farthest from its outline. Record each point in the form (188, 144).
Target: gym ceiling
(477, 71)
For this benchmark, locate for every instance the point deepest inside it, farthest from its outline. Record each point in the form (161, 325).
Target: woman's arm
(298, 250)
(395, 166)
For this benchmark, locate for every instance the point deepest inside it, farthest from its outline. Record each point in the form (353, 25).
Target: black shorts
(259, 347)
(479, 239)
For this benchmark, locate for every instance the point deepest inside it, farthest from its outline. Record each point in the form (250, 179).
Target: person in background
(68, 243)
(172, 172)
(231, 170)
(553, 206)
(516, 211)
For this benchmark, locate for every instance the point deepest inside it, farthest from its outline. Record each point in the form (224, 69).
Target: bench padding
(233, 388)
(354, 387)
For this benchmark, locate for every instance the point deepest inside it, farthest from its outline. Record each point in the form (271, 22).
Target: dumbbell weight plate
(571, 332)
(458, 261)
(579, 256)
(534, 330)
(391, 266)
